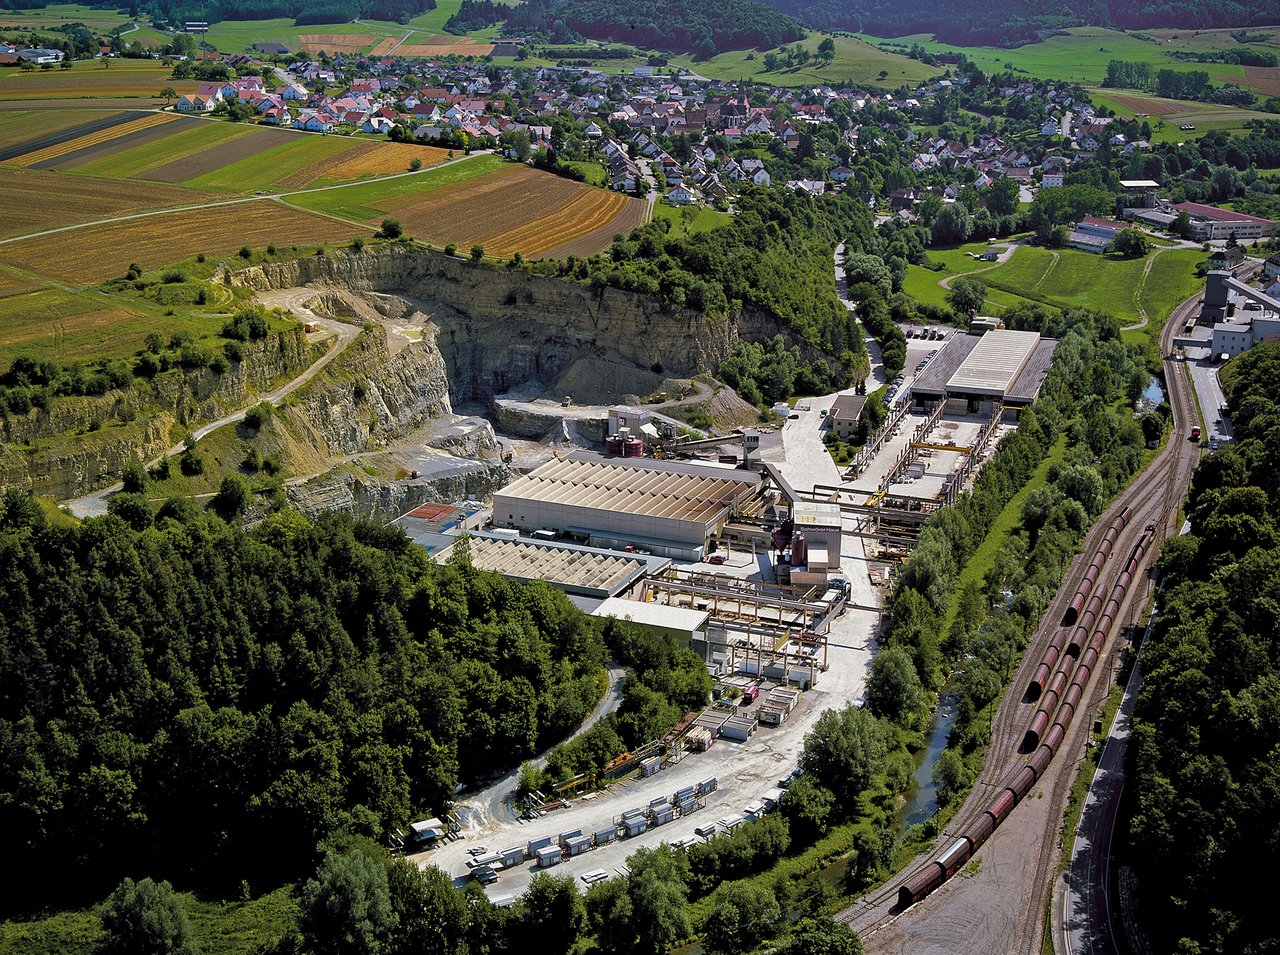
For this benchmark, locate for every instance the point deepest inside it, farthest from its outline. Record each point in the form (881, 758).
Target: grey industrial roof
(994, 363)
(1026, 386)
(651, 488)
(932, 382)
(653, 614)
(575, 569)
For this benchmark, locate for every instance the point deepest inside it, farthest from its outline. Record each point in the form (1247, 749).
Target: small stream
(922, 798)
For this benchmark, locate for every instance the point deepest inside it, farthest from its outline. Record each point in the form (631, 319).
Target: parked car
(716, 559)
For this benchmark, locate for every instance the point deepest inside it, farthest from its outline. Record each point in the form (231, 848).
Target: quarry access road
(95, 504)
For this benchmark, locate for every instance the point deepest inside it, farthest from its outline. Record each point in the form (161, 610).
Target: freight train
(1041, 750)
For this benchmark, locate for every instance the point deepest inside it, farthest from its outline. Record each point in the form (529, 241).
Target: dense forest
(682, 26)
(1014, 22)
(206, 703)
(1206, 736)
(301, 12)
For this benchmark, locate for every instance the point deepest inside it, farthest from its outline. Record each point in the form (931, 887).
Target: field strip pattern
(56, 129)
(176, 144)
(82, 142)
(218, 156)
(95, 253)
(138, 139)
(364, 158)
(589, 243)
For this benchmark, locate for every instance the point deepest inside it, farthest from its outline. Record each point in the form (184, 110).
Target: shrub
(391, 229)
(258, 415)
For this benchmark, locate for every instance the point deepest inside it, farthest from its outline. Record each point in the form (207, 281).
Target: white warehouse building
(668, 508)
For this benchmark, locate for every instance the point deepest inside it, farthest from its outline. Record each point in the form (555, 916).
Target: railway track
(1152, 498)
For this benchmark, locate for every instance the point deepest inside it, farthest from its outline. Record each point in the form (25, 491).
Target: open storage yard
(505, 208)
(97, 253)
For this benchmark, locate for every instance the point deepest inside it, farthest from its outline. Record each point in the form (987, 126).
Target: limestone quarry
(449, 375)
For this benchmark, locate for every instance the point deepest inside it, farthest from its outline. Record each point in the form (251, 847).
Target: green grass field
(1165, 126)
(268, 167)
(83, 326)
(24, 125)
(594, 173)
(139, 159)
(855, 61)
(1068, 278)
(97, 19)
(1080, 55)
(358, 203)
(228, 928)
(701, 218)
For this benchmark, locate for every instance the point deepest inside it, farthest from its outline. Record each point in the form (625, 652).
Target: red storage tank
(633, 448)
(799, 551)
(613, 444)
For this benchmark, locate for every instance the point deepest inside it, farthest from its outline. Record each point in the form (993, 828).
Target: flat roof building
(1209, 223)
(999, 367)
(585, 571)
(687, 627)
(669, 508)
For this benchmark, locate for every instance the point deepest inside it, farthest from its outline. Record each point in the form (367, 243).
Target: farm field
(64, 151)
(1167, 115)
(178, 144)
(31, 125)
(89, 79)
(855, 61)
(35, 201)
(1081, 54)
(96, 253)
(60, 14)
(506, 208)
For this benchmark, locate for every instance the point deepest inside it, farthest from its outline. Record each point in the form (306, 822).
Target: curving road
(95, 504)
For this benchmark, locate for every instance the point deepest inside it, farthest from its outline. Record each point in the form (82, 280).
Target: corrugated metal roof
(556, 565)
(631, 489)
(994, 362)
(653, 614)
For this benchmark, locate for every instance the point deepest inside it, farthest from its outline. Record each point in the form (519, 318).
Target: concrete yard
(745, 771)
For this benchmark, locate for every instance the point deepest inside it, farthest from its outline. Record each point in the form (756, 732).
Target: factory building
(579, 571)
(666, 508)
(975, 374)
(687, 627)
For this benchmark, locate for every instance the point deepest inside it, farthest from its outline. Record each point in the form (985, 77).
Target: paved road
(95, 504)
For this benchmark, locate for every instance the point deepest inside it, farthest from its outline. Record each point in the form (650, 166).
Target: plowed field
(445, 47)
(335, 42)
(83, 142)
(96, 253)
(1143, 104)
(1265, 79)
(366, 159)
(517, 209)
(35, 201)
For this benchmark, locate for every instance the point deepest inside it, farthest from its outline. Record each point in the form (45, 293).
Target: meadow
(697, 219)
(1166, 116)
(855, 61)
(94, 79)
(1067, 278)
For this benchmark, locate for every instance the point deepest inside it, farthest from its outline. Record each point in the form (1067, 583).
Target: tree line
(683, 26)
(1205, 735)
